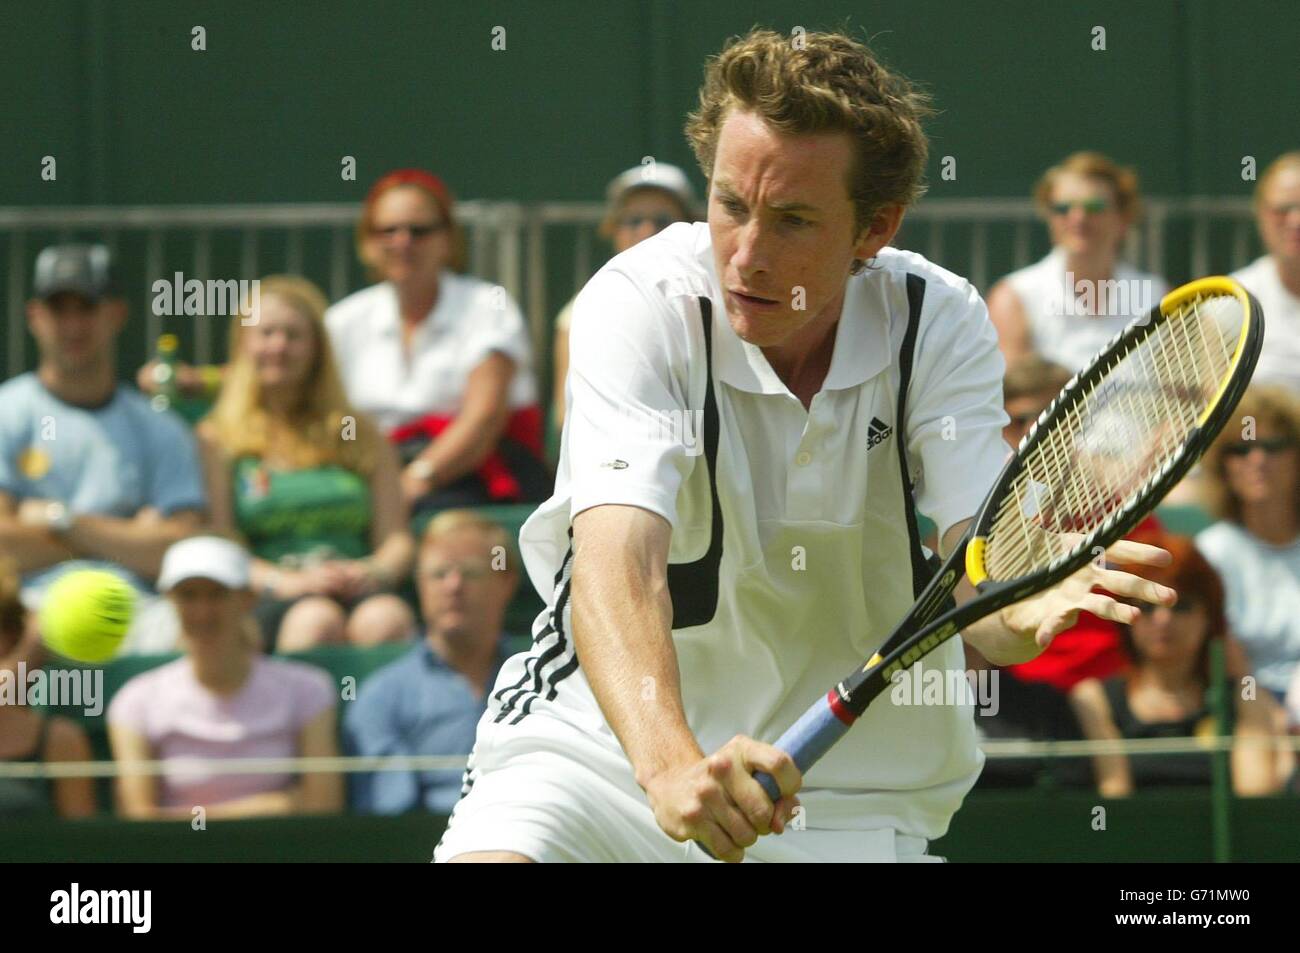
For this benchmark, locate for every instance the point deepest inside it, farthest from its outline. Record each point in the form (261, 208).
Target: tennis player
(754, 405)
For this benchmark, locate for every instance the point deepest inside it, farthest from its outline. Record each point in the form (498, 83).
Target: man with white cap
(222, 699)
(639, 202)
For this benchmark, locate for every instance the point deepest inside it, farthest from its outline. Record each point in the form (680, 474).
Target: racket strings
(1129, 425)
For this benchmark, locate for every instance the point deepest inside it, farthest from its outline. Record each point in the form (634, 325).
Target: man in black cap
(90, 474)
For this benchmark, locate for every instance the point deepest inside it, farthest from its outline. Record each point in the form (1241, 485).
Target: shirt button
(804, 458)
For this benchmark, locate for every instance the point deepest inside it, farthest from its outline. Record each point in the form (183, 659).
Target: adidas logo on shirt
(877, 431)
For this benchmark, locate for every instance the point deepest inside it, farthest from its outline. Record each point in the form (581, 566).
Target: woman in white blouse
(440, 359)
(1068, 305)
(1274, 278)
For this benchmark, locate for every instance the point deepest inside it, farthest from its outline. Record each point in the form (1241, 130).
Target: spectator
(26, 735)
(429, 701)
(1274, 278)
(90, 474)
(441, 360)
(311, 485)
(223, 699)
(1028, 386)
(1252, 478)
(639, 203)
(1069, 304)
(1167, 694)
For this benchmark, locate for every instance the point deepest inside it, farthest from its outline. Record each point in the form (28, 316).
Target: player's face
(1171, 633)
(644, 212)
(409, 240)
(280, 342)
(73, 332)
(461, 595)
(782, 224)
(1279, 215)
(1263, 469)
(1083, 217)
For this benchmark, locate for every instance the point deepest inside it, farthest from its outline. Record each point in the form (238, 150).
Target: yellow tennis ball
(85, 614)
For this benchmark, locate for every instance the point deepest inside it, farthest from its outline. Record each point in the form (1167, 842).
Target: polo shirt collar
(862, 346)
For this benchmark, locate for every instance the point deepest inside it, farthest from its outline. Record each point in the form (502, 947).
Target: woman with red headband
(440, 359)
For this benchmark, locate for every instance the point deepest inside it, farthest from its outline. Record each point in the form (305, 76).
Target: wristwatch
(422, 469)
(58, 518)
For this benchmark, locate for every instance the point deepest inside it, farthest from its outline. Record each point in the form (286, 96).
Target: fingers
(1129, 551)
(747, 757)
(744, 817)
(1135, 587)
(720, 845)
(1104, 607)
(760, 757)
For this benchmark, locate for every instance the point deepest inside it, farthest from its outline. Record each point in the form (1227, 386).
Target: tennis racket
(1120, 435)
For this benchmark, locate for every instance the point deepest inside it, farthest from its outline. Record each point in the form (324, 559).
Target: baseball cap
(654, 175)
(84, 269)
(205, 557)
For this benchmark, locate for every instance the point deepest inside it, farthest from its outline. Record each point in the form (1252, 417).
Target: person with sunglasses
(1274, 277)
(1068, 305)
(440, 359)
(639, 203)
(1252, 486)
(1166, 693)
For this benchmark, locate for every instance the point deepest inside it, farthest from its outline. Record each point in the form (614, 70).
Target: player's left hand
(1039, 619)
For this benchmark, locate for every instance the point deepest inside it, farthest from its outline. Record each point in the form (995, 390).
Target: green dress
(301, 517)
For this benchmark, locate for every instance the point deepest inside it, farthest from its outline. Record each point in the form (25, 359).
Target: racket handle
(810, 737)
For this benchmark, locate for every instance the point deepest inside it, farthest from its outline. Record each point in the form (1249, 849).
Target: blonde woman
(1068, 305)
(1252, 485)
(309, 483)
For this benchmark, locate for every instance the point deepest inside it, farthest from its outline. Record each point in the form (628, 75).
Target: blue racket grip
(807, 740)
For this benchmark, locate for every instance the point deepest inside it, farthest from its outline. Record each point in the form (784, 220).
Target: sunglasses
(1270, 446)
(660, 222)
(416, 231)
(1091, 206)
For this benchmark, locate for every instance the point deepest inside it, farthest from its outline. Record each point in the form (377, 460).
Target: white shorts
(549, 791)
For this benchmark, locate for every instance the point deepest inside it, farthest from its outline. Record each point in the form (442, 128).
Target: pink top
(182, 719)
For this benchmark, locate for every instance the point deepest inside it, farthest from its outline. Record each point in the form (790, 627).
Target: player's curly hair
(822, 82)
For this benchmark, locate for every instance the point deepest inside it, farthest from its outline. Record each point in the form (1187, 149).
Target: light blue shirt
(417, 705)
(111, 460)
(1262, 585)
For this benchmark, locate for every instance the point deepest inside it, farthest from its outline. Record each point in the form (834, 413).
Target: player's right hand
(717, 802)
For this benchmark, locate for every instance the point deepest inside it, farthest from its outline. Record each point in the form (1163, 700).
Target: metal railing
(540, 253)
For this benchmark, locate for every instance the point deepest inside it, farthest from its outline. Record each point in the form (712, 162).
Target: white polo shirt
(811, 565)
(470, 319)
(1279, 359)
